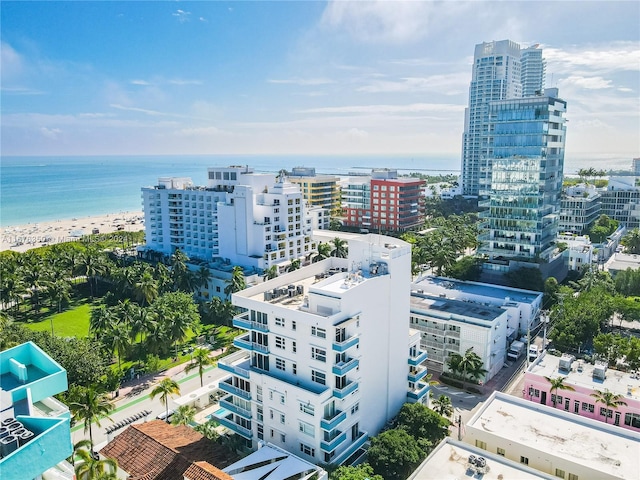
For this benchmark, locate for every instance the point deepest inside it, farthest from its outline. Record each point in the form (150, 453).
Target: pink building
(585, 379)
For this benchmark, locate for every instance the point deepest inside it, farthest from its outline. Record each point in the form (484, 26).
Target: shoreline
(20, 238)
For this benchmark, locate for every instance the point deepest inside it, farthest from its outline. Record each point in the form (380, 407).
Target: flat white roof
(449, 461)
(600, 447)
(621, 383)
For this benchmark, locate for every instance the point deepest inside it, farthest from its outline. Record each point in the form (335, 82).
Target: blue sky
(387, 77)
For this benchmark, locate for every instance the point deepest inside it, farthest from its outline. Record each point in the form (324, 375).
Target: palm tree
(203, 276)
(145, 289)
(270, 273)
(92, 265)
(90, 467)
(472, 363)
(165, 389)
(35, 277)
(118, 339)
(236, 282)
(324, 251)
(183, 278)
(142, 323)
(89, 406)
(59, 292)
(558, 384)
(340, 248)
(102, 318)
(294, 265)
(632, 241)
(610, 400)
(443, 406)
(201, 359)
(183, 415)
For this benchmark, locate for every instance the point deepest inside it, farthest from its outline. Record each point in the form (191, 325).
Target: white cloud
(11, 61)
(302, 81)
(625, 89)
(381, 21)
(356, 133)
(181, 15)
(143, 83)
(50, 133)
(390, 109)
(136, 109)
(589, 83)
(452, 83)
(199, 132)
(181, 81)
(599, 58)
(21, 91)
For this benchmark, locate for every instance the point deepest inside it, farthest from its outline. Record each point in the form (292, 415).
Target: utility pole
(459, 427)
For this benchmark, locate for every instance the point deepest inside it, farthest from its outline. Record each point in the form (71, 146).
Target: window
(279, 322)
(282, 418)
(306, 428)
(280, 364)
(500, 451)
(588, 406)
(319, 354)
(606, 412)
(481, 444)
(559, 473)
(293, 323)
(355, 408)
(294, 368)
(280, 342)
(282, 399)
(283, 437)
(294, 347)
(307, 408)
(260, 432)
(318, 332)
(318, 377)
(260, 415)
(632, 420)
(573, 476)
(307, 450)
(524, 460)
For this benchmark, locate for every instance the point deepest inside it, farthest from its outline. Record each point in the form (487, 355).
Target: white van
(533, 352)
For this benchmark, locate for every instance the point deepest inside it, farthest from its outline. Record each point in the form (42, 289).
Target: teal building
(35, 434)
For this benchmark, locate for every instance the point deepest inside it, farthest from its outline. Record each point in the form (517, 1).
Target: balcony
(229, 405)
(333, 444)
(346, 390)
(343, 367)
(417, 374)
(346, 344)
(227, 387)
(333, 422)
(242, 321)
(222, 415)
(418, 391)
(351, 449)
(232, 364)
(417, 360)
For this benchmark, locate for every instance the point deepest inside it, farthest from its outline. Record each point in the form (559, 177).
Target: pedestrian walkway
(133, 388)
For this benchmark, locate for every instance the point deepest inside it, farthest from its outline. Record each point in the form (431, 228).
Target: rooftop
(581, 374)
(457, 289)
(450, 461)
(157, 450)
(446, 306)
(622, 261)
(597, 446)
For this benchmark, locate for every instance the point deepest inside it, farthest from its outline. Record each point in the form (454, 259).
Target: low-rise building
(579, 208)
(35, 434)
(621, 200)
(553, 441)
(584, 380)
(579, 252)
(453, 460)
(318, 190)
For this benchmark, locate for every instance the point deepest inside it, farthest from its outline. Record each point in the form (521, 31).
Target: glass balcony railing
(351, 449)
(229, 405)
(333, 444)
(234, 427)
(226, 387)
(236, 363)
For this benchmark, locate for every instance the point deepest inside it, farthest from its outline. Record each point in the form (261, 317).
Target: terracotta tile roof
(158, 451)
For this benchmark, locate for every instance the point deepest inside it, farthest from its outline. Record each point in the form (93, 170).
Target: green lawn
(70, 323)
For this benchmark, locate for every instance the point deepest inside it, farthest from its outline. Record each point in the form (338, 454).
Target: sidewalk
(133, 388)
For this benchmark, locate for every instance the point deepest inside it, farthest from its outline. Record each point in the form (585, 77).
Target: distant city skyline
(108, 78)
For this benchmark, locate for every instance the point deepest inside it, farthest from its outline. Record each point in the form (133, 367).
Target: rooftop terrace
(456, 289)
(446, 307)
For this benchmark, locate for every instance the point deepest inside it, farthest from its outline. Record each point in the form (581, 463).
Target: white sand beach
(21, 238)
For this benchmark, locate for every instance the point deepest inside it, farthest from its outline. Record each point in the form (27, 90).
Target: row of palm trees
(468, 366)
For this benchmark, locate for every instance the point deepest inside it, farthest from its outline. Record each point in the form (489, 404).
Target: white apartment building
(553, 441)
(579, 250)
(579, 208)
(450, 326)
(522, 306)
(328, 358)
(244, 218)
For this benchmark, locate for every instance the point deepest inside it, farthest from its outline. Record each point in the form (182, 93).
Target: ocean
(38, 189)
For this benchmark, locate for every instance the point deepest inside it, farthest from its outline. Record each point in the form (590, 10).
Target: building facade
(584, 379)
(395, 203)
(318, 190)
(328, 357)
(532, 70)
(579, 208)
(241, 217)
(621, 200)
(495, 75)
(35, 432)
(526, 146)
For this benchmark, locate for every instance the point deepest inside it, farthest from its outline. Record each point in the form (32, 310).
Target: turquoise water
(37, 189)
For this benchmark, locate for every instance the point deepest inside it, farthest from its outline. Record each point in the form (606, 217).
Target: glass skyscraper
(525, 143)
(501, 70)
